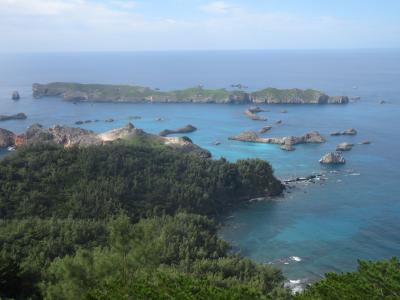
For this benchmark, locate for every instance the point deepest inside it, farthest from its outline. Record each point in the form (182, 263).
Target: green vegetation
(373, 281)
(96, 182)
(276, 95)
(108, 92)
(135, 222)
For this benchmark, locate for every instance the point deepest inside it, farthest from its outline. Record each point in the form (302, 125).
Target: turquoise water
(325, 226)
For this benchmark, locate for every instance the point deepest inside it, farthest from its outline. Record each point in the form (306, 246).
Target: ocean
(316, 228)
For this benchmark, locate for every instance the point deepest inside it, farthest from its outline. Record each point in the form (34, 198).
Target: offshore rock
(19, 116)
(186, 129)
(332, 158)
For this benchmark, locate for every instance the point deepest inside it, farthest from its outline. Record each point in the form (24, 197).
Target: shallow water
(328, 225)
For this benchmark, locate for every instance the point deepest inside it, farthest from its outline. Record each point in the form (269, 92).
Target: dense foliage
(96, 182)
(132, 222)
(373, 281)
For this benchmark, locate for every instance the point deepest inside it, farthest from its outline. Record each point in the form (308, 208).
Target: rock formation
(253, 116)
(70, 136)
(186, 129)
(332, 158)
(344, 147)
(7, 138)
(265, 129)
(15, 95)
(350, 131)
(286, 143)
(19, 116)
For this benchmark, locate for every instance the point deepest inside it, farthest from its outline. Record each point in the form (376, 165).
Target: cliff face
(126, 93)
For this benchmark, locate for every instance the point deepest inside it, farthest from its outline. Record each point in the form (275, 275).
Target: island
(19, 116)
(78, 92)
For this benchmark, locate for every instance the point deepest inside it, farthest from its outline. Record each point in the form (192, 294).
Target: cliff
(126, 93)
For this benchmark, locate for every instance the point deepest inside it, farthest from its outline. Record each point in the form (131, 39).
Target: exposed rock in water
(265, 129)
(278, 122)
(216, 143)
(7, 138)
(110, 120)
(350, 131)
(355, 98)
(285, 142)
(255, 109)
(344, 147)
(287, 147)
(332, 158)
(78, 122)
(134, 117)
(186, 129)
(283, 111)
(15, 96)
(19, 116)
(254, 116)
(365, 143)
(245, 136)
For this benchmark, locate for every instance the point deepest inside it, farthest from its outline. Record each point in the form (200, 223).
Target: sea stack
(332, 158)
(15, 95)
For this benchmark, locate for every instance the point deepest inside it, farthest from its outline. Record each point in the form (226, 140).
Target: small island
(77, 92)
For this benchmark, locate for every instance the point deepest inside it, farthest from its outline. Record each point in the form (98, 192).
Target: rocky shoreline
(77, 92)
(73, 136)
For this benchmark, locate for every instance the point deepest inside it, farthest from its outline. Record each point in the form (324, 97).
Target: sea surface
(316, 228)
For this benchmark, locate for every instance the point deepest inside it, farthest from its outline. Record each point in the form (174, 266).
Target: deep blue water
(354, 214)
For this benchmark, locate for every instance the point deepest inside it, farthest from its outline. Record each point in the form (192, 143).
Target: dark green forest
(138, 222)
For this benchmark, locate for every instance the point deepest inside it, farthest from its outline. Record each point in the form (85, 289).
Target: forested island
(139, 221)
(77, 92)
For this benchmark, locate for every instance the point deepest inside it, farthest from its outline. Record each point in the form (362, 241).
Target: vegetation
(128, 221)
(373, 280)
(107, 92)
(96, 182)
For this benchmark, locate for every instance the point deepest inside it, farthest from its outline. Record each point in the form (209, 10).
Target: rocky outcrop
(365, 143)
(125, 93)
(15, 96)
(7, 138)
(332, 158)
(255, 109)
(253, 116)
(70, 136)
(286, 143)
(19, 116)
(265, 129)
(344, 147)
(186, 129)
(185, 145)
(350, 131)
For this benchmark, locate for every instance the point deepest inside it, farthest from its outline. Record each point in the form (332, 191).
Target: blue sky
(131, 25)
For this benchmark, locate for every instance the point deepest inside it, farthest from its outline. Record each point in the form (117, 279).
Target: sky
(158, 25)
